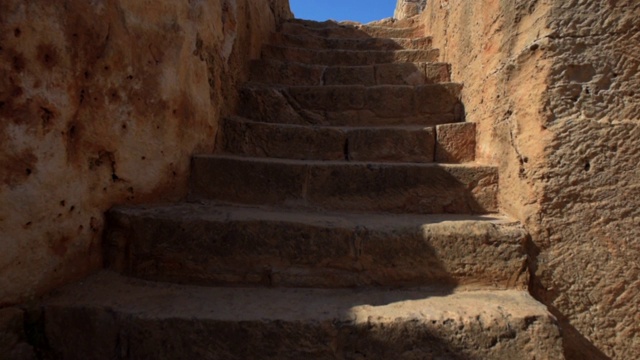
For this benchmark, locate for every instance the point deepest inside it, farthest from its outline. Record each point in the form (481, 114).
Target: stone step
(353, 105)
(342, 185)
(319, 42)
(377, 144)
(347, 31)
(456, 142)
(213, 244)
(111, 317)
(347, 57)
(299, 74)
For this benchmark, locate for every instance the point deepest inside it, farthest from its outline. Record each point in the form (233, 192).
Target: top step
(368, 43)
(336, 30)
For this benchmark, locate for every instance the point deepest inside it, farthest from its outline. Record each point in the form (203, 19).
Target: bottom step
(111, 317)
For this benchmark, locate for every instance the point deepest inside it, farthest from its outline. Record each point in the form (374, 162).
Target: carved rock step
(299, 74)
(352, 31)
(233, 245)
(110, 317)
(353, 105)
(340, 185)
(319, 42)
(347, 57)
(378, 144)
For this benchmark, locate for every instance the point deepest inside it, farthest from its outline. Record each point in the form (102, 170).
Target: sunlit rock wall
(409, 8)
(103, 102)
(553, 89)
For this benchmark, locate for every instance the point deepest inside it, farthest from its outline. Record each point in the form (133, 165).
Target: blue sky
(363, 11)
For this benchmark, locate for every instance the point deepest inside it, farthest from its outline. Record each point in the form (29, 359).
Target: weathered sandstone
(103, 102)
(553, 89)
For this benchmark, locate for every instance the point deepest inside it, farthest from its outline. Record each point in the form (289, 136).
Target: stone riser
(318, 42)
(352, 32)
(347, 57)
(108, 317)
(297, 74)
(353, 186)
(353, 105)
(397, 144)
(223, 245)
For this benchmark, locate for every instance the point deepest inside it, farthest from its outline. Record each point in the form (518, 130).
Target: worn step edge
(319, 42)
(354, 31)
(406, 143)
(271, 71)
(223, 244)
(348, 57)
(448, 143)
(346, 185)
(109, 317)
(353, 105)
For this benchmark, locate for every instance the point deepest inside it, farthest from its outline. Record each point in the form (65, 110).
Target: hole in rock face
(363, 11)
(587, 166)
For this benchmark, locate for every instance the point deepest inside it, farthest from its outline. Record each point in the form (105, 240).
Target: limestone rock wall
(103, 102)
(553, 89)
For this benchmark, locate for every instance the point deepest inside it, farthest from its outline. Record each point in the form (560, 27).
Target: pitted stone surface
(221, 244)
(140, 320)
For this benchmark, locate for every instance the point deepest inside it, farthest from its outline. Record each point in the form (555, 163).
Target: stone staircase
(343, 217)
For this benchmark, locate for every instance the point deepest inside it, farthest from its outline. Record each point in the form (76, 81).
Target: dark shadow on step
(108, 317)
(334, 74)
(230, 245)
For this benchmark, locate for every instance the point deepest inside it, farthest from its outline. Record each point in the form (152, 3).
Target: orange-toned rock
(103, 103)
(553, 89)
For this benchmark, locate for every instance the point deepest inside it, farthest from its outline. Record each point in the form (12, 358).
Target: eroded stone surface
(103, 103)
(388, 187)
(215, 244)
(455, 143)
(552, 88)
(353, 105)
(375, 144)
(138, 320)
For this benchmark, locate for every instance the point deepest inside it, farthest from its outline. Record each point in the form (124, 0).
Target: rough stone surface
(391, 144)
(216, 244)
(409, 8)
(13, 340)
(552, 87)
(103, 102)
(456, 143)
(107, 317)
(374, 144)
(353, 31)
(387, 187)
(358, 43)
(353, 105)
(348, 57)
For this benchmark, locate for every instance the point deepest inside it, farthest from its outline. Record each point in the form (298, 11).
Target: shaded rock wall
(103, 102)
(553, 89)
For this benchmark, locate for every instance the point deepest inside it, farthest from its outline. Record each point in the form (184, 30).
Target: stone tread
(214, 243)
(408, 143)
(319, 42)
(278, 72)
(353, 105)
(347, 31)
(107, 316)
(346, 185)
(348, 57)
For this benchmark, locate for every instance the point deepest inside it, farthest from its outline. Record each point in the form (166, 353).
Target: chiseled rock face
(103, 102)
(408, 8)
(553, 89)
